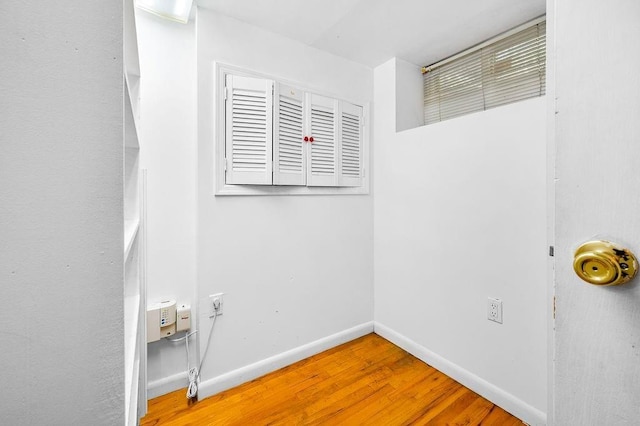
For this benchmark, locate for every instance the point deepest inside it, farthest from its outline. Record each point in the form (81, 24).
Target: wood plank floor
(368, 381)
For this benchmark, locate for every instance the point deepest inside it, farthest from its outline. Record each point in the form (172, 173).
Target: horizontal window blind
(508, 70)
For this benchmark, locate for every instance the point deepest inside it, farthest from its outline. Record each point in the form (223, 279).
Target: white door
(322, 164)
(350, 147)
(597, 193)
(248, 130)
(288, 136)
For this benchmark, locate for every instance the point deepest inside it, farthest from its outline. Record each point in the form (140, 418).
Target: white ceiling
(372, 31)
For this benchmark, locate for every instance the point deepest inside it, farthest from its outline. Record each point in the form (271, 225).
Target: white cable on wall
(194, 373)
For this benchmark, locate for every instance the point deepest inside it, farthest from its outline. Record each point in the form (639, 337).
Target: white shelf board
(130, 34)
(131, 337)
(131, 357)
(131, 116)
(130, 231)
(131, 71)
(133, 291)
(131, 395)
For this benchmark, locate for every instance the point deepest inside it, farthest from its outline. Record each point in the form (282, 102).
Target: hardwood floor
(368, 381)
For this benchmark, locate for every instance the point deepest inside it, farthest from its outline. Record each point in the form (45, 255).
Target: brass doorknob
(604, 263)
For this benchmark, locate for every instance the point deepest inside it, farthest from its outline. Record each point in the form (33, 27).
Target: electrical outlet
(494, 310)
(217, 303)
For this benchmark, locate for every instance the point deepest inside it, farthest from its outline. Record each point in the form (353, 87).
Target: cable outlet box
(161, 320)
(183, 322)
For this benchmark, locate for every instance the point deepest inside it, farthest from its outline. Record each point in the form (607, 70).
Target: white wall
(459, 216)
(294, 269)
(298, 269)
(597, 138)
(409, 97)
(168, 139)
(61, 213)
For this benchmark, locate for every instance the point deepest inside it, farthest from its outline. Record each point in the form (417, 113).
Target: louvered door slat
(248, 134)
(351, 135)
(322, 152)
(288, 153)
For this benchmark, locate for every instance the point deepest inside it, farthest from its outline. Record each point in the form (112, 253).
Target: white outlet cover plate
(212, 298)
(494, 310)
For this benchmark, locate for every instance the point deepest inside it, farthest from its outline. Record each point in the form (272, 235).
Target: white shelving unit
(134, 280)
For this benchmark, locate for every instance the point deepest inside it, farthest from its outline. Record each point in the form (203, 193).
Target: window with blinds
(508, 69)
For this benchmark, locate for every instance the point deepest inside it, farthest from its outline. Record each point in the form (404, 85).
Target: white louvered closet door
(350, 147)
(322, 165)
(249, 130)
(288, 137)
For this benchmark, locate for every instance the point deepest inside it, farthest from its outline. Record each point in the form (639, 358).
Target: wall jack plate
(494, 310)
(216, 300)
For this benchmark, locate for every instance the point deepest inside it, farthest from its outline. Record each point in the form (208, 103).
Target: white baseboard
(498, 396)
(244, 374)
(167, 384)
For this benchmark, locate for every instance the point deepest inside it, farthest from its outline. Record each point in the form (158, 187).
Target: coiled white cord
(194, 373)
(192, 389)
